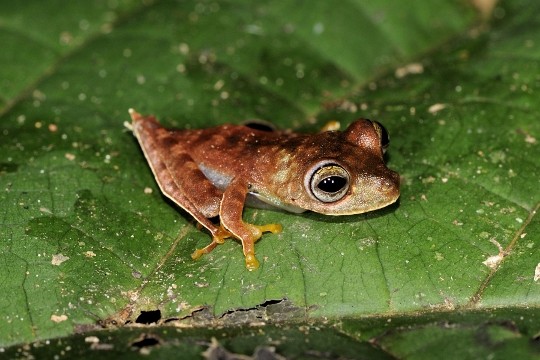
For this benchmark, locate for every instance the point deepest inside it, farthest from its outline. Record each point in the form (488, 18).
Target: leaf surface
(86, 236)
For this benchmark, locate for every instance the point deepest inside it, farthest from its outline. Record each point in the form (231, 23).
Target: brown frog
(216, 171)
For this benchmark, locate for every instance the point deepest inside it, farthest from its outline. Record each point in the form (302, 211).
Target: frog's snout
(389, 184)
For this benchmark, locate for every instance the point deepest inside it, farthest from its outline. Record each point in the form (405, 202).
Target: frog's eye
(383, 135)
(329, 183)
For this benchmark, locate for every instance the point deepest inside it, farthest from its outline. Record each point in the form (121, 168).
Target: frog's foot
(251, 262)
(221, 234)
(218, 237)
(249, 249)
(205, 250)
(260, 229)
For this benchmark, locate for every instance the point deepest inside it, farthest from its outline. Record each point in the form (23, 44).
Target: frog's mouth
(362, 209)
(365, 196)
(256, 200)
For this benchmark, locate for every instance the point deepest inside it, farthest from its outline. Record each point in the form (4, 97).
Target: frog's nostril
(389, 184)
(386, 185)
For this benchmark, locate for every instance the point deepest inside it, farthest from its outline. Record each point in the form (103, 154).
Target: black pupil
(332, 184)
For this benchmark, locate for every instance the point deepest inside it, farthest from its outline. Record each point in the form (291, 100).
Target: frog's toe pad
(251, 262)
(198, 253)
(205, 250)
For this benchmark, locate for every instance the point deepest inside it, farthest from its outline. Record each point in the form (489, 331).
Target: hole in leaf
(271, 302)
(146, 341)
(148, 317)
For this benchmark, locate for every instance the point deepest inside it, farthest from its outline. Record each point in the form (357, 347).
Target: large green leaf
(85, 242)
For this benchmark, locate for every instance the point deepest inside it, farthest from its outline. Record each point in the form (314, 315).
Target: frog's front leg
(230, 213)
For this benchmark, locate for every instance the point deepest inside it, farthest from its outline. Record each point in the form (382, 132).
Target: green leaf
(87, 238)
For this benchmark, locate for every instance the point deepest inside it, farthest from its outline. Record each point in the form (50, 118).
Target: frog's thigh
(156, 148)
(170, 188)
(195, 186)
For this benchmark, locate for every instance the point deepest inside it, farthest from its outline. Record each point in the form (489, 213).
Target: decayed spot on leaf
(537, 272)
(95, 343)
(413, 68)
(145, 343)
(530, 139)
(58, 259)
(217, 351)
(493, 261)
(45, 210)
(58, 318)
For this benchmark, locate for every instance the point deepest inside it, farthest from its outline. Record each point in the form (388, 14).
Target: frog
(213, 173)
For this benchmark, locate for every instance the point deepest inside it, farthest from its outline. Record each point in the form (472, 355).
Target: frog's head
(350, 176)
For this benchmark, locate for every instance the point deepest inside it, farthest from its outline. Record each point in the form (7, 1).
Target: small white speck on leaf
(70, 156)
(91, 340)
(219, 84)
(148, 190)
(58, 259)
(58, 318)
(318, 28)
(435, 108)
(537, 272)
(183, 48)
(89, 254)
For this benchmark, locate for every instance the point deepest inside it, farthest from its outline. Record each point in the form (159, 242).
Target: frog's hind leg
(202, 195)
(179, 177)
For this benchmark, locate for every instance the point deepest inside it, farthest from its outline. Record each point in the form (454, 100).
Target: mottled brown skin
(275, 165)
